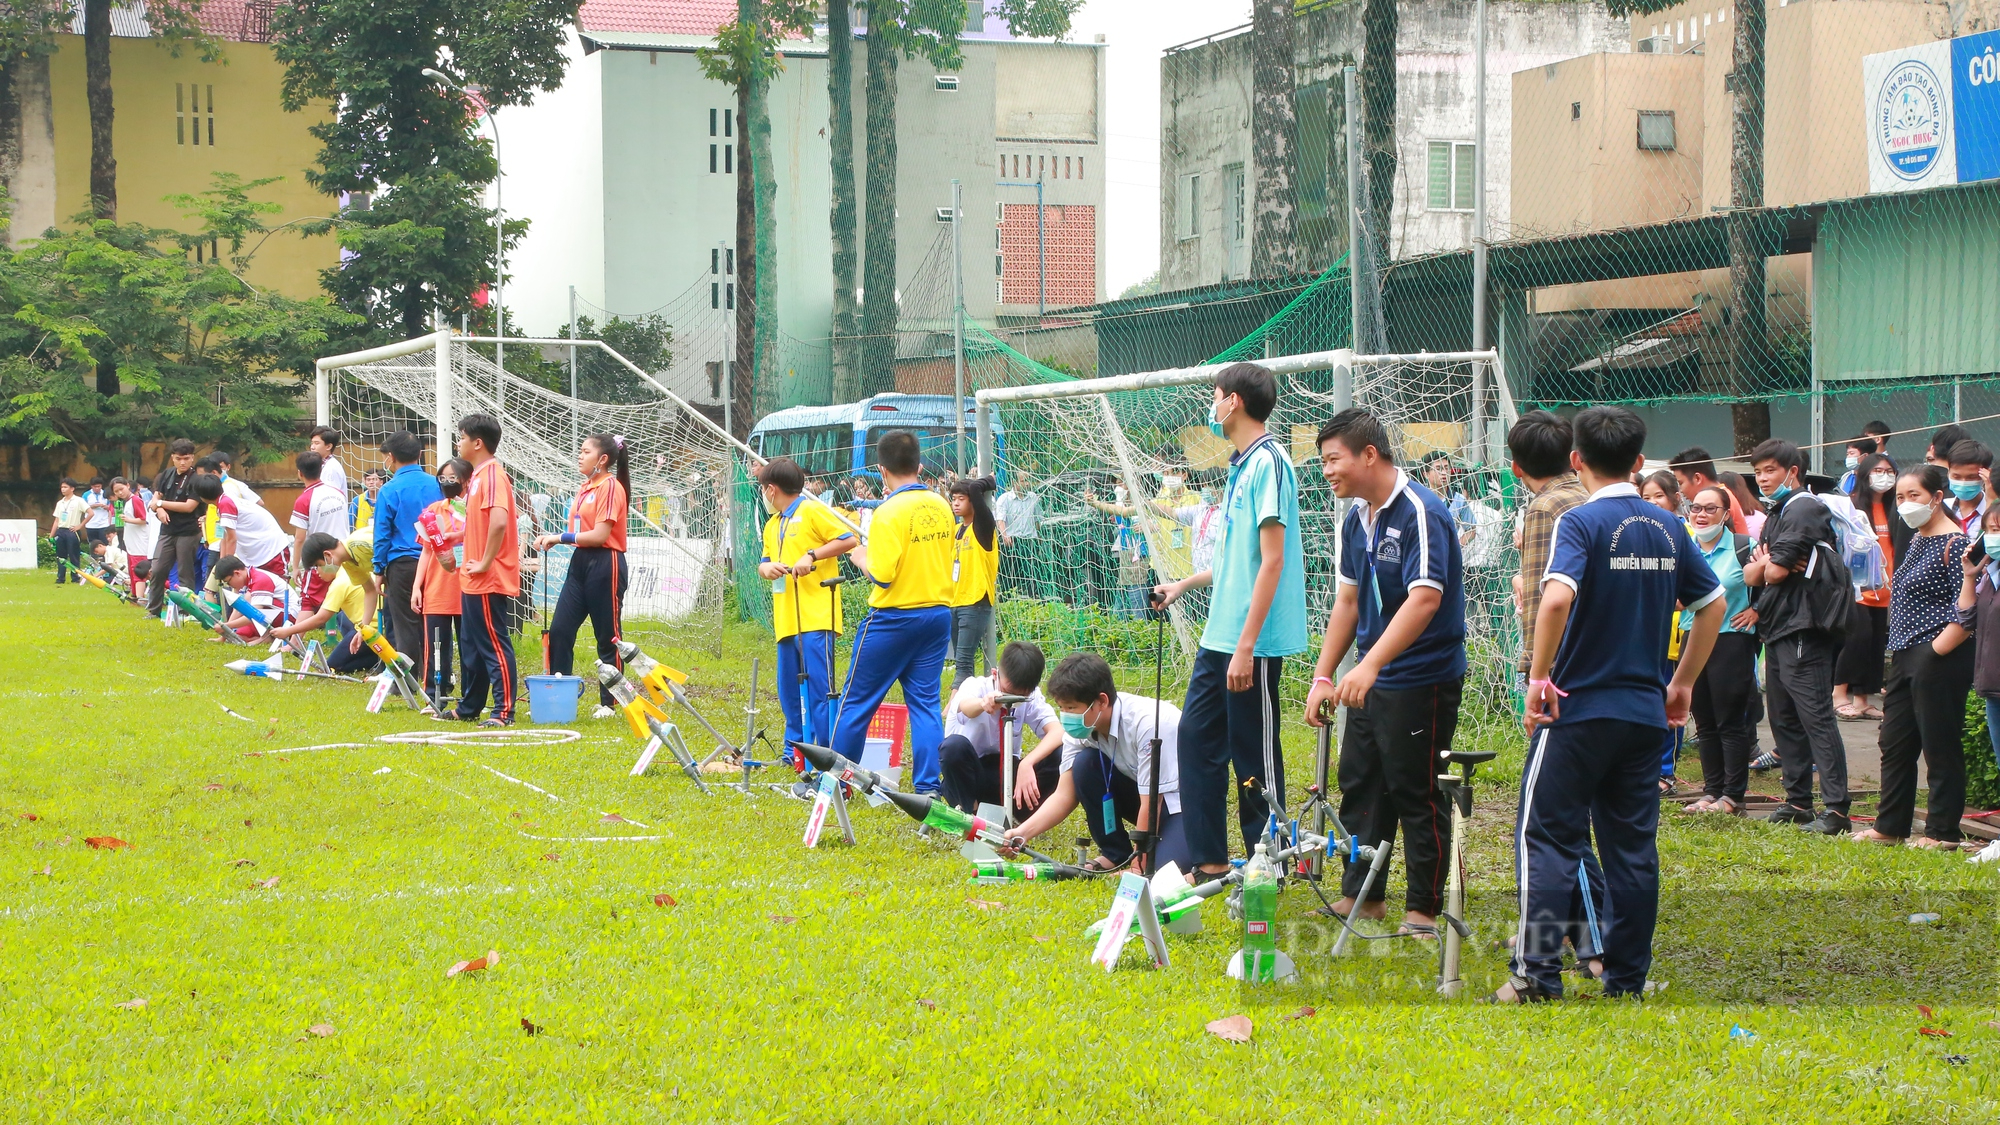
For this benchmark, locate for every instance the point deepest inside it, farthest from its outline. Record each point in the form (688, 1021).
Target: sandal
(1870, 836)
(1875, 714)
(1851, 713)
(1418, 931)
(1728, 806)
(1932, 844)
(1102, 865)
(1699, 805)
(1524, 991)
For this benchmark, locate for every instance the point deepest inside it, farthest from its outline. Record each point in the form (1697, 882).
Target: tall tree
(172, 20)
(1273, 127)
(846, 257)
(928, 30)
(27, 37)
(406, 142)
(747, 56)
(1378, 120)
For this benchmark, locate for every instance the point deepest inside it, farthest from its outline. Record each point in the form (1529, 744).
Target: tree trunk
(743, 372)
(840, 138)
(10, 140)
(1274, 121)
(1749, 346)
(1378, 111)
(755, 133)
(878, 311)
(97, 87)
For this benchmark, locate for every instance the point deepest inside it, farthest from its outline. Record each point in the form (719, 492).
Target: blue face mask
(1852, 461)
(1778, 495)
(1992, 543)
(1073, 725)
(1967, 490)
(1215, 420)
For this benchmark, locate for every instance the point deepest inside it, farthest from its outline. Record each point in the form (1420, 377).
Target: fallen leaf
(1041, 937)
(29, 816)
(1303, 1013)
(664, 899)
(1236, 1029)
(320, 1030)
(267, 884)
(491, 959)
(513, 816)
(611, 818)
(552, 857)
(254, 754)
(134, 1004)
(212, 786)
(109, 843)
(1926, 1010)
(987, 904)
(929, 1005)
(783, 919)
(1993, 1024)
(44, 871)
(242, 863)
(533, 1029)
(246, 822)
(1934, 1032)
(329, 847)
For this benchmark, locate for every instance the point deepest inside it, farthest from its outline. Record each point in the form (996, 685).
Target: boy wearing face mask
(1802, 606)
(1971, 462)
(1857, 449)
(1107, 767)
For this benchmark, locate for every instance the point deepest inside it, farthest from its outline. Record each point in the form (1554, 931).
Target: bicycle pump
(1458, 790)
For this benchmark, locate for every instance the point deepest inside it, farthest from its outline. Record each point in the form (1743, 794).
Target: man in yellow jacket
(908, 629)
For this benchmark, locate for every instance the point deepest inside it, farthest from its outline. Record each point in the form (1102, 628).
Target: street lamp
(499, 234)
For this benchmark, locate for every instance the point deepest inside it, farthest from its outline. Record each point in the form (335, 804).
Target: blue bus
(838, 442)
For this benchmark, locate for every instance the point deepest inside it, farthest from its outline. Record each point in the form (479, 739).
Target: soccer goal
(1117, 466)
(685, 468)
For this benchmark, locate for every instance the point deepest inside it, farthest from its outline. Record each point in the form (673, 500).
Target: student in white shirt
(1108, 769)
(969, 756)
(325, 441)
(97, 525)
(66, 530)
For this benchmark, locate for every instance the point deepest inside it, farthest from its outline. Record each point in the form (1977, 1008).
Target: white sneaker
(602, 712)
(1988, 854)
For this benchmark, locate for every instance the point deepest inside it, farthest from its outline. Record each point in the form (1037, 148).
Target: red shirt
(601, 501)
(489, 496)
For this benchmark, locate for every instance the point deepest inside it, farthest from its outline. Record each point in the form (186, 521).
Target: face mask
(1966, 490)
(1777, 496)
(1882, 482)
(1074, 726)
(451, 488)
(1991, 541)
(1710, 533)
(1174, 484)
(1208, 496)
(1852, 461)
(1215, 419)
(1916, 515)
(1120, 493)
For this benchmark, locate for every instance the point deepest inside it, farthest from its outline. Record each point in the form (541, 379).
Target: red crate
(891, 721)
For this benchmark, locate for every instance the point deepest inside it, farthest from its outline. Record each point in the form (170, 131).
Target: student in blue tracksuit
(908, 630)
(1599, 697)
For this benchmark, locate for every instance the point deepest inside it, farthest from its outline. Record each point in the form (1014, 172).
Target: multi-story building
(628, 174)
(1207, 174)
(178, 121)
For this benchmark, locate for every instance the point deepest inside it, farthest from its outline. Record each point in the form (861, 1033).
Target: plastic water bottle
(1260, 917)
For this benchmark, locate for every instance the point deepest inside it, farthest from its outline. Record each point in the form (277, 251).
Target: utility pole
(958, 319)
(574, 406)
(1355, 233)
(1479, 331)
(1041, 251)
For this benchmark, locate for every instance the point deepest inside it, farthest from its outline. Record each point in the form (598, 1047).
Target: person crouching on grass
(1599, 697)
(1107, 768)
(969, 756)
(266, 591)
(1401, 599)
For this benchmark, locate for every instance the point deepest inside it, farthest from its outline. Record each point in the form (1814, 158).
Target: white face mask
(1882, 482)
(1916, 515)
(1710, 533)
(1174, 483)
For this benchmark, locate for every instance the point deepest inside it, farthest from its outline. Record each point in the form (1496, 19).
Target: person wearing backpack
(1722, 692)
(1802, 609)
(1857, 672)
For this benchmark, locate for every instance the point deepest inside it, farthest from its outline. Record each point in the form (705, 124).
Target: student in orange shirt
(441, 534)
(595, 586)
(490, 579)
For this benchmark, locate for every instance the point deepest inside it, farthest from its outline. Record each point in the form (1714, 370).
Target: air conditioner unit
(947, 83)
(944, 214)
(1655, 45)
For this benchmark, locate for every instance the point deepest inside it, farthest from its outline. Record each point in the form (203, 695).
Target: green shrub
(45, 552)
(1982, 774)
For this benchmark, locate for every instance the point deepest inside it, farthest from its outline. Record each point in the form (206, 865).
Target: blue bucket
(552, 699)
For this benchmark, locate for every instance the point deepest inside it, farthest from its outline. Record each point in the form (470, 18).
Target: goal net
(1123, 472)
(682, 465)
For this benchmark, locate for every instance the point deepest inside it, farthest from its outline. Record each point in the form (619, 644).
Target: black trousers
(970, 779)
(1798, 676)
(595, 588)
(1923, 710)
(434, 662)
(68, 547)
(406, 626)
(1221, 728)
(1722, 695)
(1388, 778)
(338, 659)
(1860, 663)
(183, 551)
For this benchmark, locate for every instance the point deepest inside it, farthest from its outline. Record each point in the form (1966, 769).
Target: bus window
(819, 451)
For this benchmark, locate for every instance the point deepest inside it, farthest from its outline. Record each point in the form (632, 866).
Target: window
(715, 378)
(1656, 130)
(715, 260)
(729, 261)
(728, 119)
(711, 158)
(715, 294)
(1188, 213)
(1451, 171)
(714, 115)
(1079, 167)
(728, 160)
(999, 265)
(975, 15)
(1236, 222)
(189, 113)
(947, 83)
(729, 296)
(1576, 111)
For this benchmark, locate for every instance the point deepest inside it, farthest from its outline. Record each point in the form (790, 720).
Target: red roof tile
(663, 17)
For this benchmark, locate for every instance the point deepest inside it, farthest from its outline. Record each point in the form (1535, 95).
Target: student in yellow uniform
(975, 562)
(908, 629)
(802, 543)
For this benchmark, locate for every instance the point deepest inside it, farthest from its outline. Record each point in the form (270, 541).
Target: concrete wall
(32, 191)
(1205, 120)
(554, 174)
(253, 138)
(1575, 133)
(1048, 115)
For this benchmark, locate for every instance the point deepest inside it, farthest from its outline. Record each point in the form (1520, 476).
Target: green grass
(891, 996)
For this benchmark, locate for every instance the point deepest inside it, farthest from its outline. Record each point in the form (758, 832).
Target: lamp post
(499, 234)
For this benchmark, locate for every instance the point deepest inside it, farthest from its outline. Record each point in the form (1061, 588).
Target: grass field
(863, 984)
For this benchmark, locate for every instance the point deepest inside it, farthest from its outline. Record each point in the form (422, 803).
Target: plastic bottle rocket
(193, 607)
(258, 618)
(1178, 901)
(1260, 961)
(635, 709)
(866, 780)
(272, 669)
(657, 680)
(380, 646)
(993, 870)
(936, 814)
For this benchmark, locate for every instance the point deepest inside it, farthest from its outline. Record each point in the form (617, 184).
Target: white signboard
(17, 544)
(1910, 122)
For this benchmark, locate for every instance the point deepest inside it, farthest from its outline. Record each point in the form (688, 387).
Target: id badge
(777, 585)
(954, 571)
(1110, 816)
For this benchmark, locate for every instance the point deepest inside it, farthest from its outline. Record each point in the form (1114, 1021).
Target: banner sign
(1933, 113)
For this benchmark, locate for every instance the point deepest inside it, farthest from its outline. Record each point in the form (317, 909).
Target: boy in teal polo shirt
(1257, 617)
